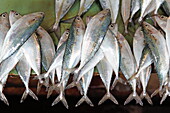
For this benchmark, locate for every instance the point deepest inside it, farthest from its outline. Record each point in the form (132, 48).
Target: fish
(62, 42)
(19, 33)
(28, 60)
(110, 48)
(135, 6)
(113, 5)
(4, 27)
(159, 53)
(84, 83)
(93, 37)
(125, 12)
(105, 71)
(128, 67)
(144, 8)
(24, 70)
(71, 55)
(144, 78)
(84, 6)
(30, 46)
(61, 9)
(47, 54)
(138, 48)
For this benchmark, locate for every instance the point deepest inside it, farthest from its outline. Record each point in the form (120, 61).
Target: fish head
(114, 28)
(161, 20)
(34, 18)
(161, 17)
(78, 25)
(14, 16)
(4, 20)
(148, 28)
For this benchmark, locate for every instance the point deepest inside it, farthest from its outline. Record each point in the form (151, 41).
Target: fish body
(19, 33)
(135, 6)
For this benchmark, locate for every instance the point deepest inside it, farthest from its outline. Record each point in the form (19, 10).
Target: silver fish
(159, 52)
(125, 11)
(138, 46)
(85, 82)
(128, 67)
(106, 71)
(113, 5)
(93, 38)
(71, 55)
(135, 6)
(30, 46)
(24, 71)
(19, 33)
(61, 8)
(84, 6)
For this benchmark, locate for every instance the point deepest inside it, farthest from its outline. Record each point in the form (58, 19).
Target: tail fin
(4, 99)
(108, 96)
(84, 99)
(39, 85)
(147, 97)
(26, 93)
(131, 97)
(61, 98)
(167, 93)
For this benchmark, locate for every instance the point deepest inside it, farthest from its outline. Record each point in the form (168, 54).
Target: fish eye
(111, 25)
(16, 14)
(3, 15)
(78, 18)
(33, 19)
(162, 16)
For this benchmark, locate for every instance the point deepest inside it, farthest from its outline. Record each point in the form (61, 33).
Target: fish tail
(73, 84)
(26, 93)
(133, 96)
(147, 97)
(4, 99)
(156, 92)
(61, 98)
(167, 93)
(39, 85)
(134, 76)
(84, 99)
(106, 97)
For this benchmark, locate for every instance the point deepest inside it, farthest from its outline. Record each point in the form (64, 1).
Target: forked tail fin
(106, 97)
(84, 99)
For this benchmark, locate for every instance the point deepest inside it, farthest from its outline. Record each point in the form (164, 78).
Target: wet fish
(128, 67)
(135, 6)
(93, 37)
(106, 71)
(159, 52)
(138, 47)
(31, 47)
(166, 7)
(61, 42)
(84, 6)
(125, 11)
(61, 9)
(71, 55)
(28, 60)
(19, 33)
(84, 83)
(113, 5)
(4, 27)
(24, 71)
